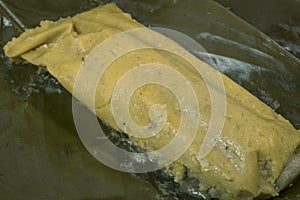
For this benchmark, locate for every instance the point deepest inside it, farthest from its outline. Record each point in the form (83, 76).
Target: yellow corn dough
(255, 143)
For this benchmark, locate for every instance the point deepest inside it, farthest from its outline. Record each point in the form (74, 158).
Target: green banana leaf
(41, 154)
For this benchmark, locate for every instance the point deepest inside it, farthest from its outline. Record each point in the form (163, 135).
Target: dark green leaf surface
(41, 154)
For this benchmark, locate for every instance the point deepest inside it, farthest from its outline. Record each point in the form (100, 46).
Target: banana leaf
(46, 139)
